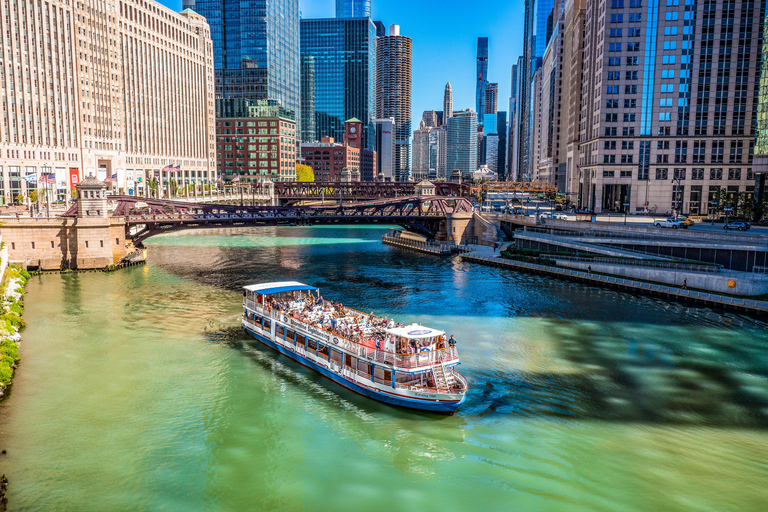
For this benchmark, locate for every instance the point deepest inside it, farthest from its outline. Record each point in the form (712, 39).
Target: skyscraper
(535, 37)
(482, 77)
(255, 49)
(462, 143)
(353, 8)
(393, 93)
(668, 110)
(491, 98)
(343, 67)
(308, 132)
(447, 103)
(63, 116)
(760, 163)
(385, 148)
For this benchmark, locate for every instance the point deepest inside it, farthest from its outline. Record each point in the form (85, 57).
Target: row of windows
(662, 173)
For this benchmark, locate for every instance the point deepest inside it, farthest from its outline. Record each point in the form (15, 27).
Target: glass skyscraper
(482, 76)
(255, 48)
(353, 8)
(341, 56)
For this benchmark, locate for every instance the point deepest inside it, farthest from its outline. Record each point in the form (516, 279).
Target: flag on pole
(49, 179)
(236, 179)
(167, 168)
(178, 168)
(30, 178)
(111, 179)
(218, 180)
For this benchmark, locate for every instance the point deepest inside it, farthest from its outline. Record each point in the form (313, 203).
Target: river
(139, 391)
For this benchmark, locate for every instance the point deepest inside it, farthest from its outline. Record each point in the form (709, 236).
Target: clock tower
(353, 135)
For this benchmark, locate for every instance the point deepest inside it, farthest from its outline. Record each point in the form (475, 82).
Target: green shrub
(13, 319)
(6, 372)
(9, 349)
(17, 308)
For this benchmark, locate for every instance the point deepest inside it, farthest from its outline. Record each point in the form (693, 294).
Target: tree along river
(139, 391)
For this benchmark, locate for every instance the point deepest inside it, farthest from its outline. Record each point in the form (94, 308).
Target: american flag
(111, 179)
(177, 168)
(168, 168)
(49, 179)
(218, 180)
(236, 179)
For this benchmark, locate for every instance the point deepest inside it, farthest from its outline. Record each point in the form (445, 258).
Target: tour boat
(409, 366)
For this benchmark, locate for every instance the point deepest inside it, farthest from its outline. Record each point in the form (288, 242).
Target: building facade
(551, 84)
(573, 68)
(255, 141)
(462, 143)
(481, 78)
(342, 84)
(329, 158)
(256, 49)
(385, 149)
(447, 103)
(669, 104)
(491, 98)
(393, 94)
(70, 115)
(353, 8)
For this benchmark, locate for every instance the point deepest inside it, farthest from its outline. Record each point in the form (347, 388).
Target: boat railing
(445, 355)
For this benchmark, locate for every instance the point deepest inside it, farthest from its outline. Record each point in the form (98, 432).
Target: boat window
(349, 360)
(336, 355)
(364, 367)
(322, 349)
(290, 335)
(311, 344)
(300, 339)
(280, 330)
(267, 324)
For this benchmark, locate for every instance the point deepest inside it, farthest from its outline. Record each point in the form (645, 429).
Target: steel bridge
(515, 186)
(295, 191)
(146, 217)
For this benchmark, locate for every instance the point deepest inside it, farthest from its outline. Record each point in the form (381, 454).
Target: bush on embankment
(11, 321)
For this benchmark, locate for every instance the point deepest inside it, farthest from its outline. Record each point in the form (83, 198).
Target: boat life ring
(285, 319)
(335, 340)
(424, 349)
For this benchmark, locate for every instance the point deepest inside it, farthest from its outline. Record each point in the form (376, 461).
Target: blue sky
(445, 36)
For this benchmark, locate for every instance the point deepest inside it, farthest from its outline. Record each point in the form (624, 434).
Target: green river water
(139, 391)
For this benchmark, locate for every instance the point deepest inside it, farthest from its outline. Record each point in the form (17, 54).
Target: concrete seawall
(733, 283)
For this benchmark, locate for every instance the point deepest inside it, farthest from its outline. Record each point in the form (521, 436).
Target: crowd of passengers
(335, 318)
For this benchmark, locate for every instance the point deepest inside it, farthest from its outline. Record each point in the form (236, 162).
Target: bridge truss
(146, 217)
(360, 190)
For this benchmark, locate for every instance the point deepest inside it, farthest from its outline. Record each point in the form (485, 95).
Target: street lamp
(713, 206)
(626, 209)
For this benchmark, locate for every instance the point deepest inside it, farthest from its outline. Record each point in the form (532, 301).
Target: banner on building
(74, 177)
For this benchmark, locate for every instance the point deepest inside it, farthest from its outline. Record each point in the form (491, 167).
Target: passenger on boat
(451, 342)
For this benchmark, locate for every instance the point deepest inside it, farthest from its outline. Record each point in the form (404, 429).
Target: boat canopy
(415, 332)
(278, 287)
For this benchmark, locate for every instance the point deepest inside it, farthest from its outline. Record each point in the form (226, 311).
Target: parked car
(555, 215)
(669, 223)
(741, 226)
(762, 222)
(685, 220)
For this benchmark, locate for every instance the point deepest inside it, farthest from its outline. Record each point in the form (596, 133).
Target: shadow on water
(625, 358)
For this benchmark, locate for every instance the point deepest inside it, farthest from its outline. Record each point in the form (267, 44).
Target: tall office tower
(573, 64)
(430, 119)
(548, 165)
(491, 98)
(491, 142)
(535, 39)
(462, 143)
(421, 162)
(536, 123)
(760, 164)
(353, 8)
(669, 104)
(343, 52)
(447, 103)
(515, 120)
(393, 92)
(308, 128)
(255, 49)
(482, 77)
(438, 152)
(501, 131)
(126, 113)
(385, 149)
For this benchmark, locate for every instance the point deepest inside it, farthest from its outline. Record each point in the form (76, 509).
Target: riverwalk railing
(691, 267)
(630, 284)
(425, 246)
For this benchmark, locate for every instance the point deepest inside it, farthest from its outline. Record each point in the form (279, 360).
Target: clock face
(352, 129)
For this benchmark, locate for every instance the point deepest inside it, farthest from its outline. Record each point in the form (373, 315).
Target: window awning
(278, 287)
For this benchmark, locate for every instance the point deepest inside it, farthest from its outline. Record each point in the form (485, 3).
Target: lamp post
(713, 205)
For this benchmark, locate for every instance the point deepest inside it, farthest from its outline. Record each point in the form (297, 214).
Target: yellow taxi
(685, 220)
